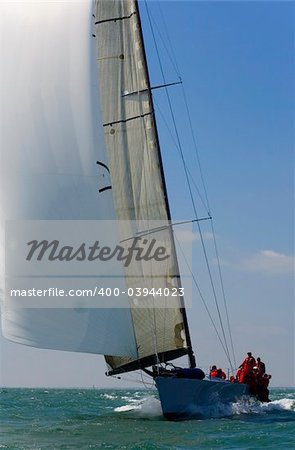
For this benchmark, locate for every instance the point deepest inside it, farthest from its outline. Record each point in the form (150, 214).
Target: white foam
(125, 408)
(287, 404)
(109, 396)
(147, 407)
(255, 407)
(242, 407)
(150, 407)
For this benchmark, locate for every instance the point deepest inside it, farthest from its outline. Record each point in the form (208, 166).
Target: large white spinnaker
(51, 139)
(138, 185)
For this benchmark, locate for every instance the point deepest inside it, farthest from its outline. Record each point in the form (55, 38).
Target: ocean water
(131, 419)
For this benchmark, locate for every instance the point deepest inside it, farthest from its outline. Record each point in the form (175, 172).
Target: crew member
(248, 363)
(246, 368)
(263, 391)
(234, 379)
(261, 366)
(239, 375)
(217, 373)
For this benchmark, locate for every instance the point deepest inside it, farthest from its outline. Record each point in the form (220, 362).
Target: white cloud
(269, 261)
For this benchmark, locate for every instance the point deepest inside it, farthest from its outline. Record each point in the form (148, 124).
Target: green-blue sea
(131, 419)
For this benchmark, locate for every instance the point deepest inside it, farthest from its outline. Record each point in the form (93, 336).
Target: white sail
(51, 139)
(136, 174)
(53, 136)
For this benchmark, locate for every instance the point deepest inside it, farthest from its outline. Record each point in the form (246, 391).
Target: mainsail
(138, 184)
(75, 61)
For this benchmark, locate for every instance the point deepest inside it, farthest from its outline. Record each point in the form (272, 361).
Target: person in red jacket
(248, 363)
(246, 368)
(239, 375)
(217, 373)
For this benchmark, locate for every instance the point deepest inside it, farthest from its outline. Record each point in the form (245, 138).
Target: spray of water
(150, 407)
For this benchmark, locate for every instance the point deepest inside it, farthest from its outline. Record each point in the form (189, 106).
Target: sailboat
(82, 145)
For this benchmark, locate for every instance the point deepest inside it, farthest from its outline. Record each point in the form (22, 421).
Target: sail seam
(114, 19)
(126, 120)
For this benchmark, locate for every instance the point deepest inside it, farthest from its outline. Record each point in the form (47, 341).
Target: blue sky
(237, 63)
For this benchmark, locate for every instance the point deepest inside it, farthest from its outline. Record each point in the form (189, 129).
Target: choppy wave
(150, 407)
(93, 418)
(109, 396)
(255, 407)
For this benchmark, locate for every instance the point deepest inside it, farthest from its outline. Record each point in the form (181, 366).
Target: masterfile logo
(138, 250)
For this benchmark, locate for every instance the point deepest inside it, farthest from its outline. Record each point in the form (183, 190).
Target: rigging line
(203, 299)
(171, 56)
(142, 233)
(175, 143)
(200, 169)
(189, 186)
(153, 324)
(155, 332)
(188, 112)
(201, 173)
(205, 204)
(140, 373)
(196, 147)
(214, 291)
(223, 295)
(174, 62)
(187, 109)
(146, 383)
(164, 189)
(164, 325)
(213, 231)
(190, 352)
(169, 40)
(212, 227)
(131, 379)
(185, 101)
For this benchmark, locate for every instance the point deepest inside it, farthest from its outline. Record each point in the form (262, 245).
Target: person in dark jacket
(261, 366)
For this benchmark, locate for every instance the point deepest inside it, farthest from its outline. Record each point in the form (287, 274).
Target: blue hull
(183, 398)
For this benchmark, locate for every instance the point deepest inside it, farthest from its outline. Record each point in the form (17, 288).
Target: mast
(192, 360)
